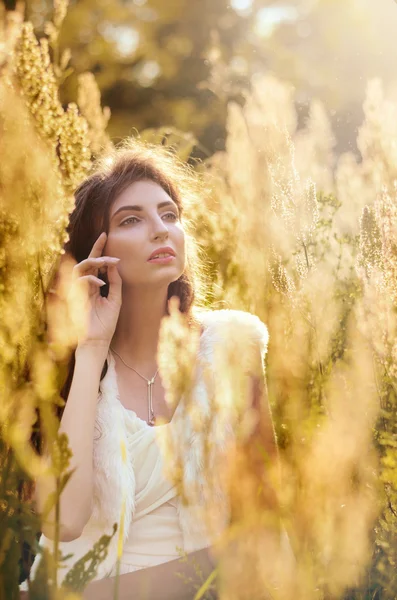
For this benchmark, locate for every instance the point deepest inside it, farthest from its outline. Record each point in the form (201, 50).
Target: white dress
(155, 535)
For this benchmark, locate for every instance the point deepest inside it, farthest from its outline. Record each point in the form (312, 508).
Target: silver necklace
(151, 416)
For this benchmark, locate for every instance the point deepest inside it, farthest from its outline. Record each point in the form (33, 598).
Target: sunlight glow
(148, 73)
(269, 18)
(125, 38)
(241, 6)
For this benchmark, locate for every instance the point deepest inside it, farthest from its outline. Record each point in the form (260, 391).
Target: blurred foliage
(153, 60)
(293, 233)
(178, 63)
(318, 267)
(329, 49)
(46, 151)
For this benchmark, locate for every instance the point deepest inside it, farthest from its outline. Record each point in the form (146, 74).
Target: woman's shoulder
(240, 319)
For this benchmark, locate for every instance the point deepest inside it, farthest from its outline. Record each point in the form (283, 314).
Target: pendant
(152, 418)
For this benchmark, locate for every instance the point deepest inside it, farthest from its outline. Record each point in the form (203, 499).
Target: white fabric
(155, 535)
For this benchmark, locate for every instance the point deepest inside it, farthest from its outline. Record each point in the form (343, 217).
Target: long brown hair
(131, 162)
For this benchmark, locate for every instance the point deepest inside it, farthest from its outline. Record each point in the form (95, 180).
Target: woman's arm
(173, 580)
(77, 422)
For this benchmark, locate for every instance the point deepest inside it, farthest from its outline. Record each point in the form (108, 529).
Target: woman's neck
(137, 332)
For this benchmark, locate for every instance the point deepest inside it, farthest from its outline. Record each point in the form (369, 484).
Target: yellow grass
(302, 239)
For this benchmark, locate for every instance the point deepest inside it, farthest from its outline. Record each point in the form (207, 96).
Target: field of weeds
(286, 231)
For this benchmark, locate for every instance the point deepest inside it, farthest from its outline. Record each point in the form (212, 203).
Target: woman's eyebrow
(139, 208)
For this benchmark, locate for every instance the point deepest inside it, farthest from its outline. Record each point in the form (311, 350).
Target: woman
(130, 244)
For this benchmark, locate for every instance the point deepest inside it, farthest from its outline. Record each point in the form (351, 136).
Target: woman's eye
(171, 214)
(129, 219)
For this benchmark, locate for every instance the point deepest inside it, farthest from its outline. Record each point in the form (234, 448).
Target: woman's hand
(100, 314)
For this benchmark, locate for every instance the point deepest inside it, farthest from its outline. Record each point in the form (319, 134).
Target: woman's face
(142, 219)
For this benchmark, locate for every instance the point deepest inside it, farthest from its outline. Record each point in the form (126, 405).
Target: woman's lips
(164, 261)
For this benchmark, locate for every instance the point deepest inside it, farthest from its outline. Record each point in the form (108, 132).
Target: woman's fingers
(92, 279)
(89, 284)
(115, 283)
(94, 263)
(98, 246)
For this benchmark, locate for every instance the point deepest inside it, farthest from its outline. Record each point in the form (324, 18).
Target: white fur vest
(114, 485)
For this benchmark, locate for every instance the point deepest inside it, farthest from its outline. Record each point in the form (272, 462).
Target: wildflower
(89, 101)
(283, 283)
(74, 147)
(370, 242)
(38, 84)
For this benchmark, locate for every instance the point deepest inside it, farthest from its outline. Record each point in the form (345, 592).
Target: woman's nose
(159, 227)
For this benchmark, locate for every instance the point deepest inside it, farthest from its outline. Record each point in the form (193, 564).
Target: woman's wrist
(90, 359)
(92, 350)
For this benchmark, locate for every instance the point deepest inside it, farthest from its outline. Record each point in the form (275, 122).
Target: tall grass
(302, 238)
